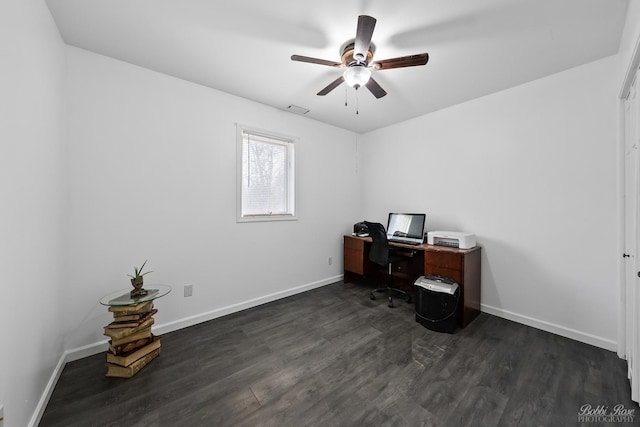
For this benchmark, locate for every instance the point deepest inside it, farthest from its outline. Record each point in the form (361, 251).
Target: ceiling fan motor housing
(348, 58)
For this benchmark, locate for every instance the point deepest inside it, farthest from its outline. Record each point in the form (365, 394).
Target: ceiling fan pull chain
(345, 96)
(357, 104)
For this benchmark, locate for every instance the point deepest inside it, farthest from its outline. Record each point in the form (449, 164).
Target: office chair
(382, 254)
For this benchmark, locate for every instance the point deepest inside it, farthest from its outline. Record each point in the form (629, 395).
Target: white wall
(532, 171)
(151, 173)
(33, 202)
(152, 165)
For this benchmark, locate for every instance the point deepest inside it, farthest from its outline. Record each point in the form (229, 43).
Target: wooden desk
(459, 265)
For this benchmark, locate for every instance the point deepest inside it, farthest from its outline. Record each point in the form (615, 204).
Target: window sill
(267, 218)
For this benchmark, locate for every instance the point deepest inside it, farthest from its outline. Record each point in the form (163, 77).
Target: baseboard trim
(48, 390)
(90, 349)
(552, 327)
(223, 311)
(98, 347)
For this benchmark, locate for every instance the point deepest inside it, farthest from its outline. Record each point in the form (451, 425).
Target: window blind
(265, 163)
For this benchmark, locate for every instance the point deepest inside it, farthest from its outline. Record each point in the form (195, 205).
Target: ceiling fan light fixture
(356, 76)
(356, 55)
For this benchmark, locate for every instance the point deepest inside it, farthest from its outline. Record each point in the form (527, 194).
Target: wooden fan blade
(310, 60)
(364, 32)
(331, 86)
(375, 88)
(402, 61)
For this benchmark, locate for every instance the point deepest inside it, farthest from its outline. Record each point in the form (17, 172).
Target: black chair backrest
(379, 252)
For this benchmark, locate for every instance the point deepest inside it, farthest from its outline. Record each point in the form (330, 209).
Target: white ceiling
(243, 47)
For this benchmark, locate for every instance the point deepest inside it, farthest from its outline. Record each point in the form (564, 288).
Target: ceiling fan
(357, 58)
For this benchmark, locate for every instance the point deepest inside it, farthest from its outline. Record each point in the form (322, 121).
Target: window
(266, 178)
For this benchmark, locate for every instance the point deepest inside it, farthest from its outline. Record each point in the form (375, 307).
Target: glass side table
(131, 345)
(123, 297)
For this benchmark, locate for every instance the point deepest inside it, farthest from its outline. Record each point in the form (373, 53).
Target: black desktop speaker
(437, 303)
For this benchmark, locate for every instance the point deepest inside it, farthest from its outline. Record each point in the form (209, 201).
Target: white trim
(601, 342)
(223, 311)
(631, 71)
(100, 346)
(290, 143)
(262, 218)
(621, 277)
(86, 350)
(46, 394)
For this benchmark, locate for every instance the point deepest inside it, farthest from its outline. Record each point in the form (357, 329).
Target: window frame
(289, 142)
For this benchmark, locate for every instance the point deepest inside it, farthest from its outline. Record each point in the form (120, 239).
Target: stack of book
(132, 345)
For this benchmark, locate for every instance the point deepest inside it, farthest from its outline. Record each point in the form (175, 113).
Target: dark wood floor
(332, 357)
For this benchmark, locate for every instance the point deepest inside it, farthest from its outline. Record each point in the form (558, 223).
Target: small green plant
(138, 271)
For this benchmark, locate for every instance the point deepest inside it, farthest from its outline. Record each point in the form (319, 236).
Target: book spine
(126, 317)
(132, 357)
(134, 368)
(118, 324)
(123, 349)
(123, 332)
(125, 310)
(143, 333)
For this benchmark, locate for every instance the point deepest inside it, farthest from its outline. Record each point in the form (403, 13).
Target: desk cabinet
(354, 255)
(463, 267)
(459, 265)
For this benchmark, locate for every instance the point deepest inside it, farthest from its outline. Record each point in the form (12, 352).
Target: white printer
(452, 239)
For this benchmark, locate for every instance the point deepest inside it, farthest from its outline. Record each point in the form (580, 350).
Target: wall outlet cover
(188, 290)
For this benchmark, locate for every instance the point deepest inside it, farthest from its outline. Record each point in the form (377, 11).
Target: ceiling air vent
(297, 110)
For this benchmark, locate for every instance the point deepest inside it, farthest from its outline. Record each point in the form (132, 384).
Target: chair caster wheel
(390, 303)
(372, 297)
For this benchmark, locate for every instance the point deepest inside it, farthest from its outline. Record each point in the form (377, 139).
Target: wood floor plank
(332, 357)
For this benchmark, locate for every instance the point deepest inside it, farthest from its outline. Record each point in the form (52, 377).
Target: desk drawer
(443, 259)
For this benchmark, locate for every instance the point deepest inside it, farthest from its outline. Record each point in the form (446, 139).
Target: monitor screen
(406, 225)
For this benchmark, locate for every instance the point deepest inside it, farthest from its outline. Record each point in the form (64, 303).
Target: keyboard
(405, 241)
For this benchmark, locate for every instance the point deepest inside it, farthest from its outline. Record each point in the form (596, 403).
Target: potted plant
(137, 281)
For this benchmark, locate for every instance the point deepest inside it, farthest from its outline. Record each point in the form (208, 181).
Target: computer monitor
(406, 228)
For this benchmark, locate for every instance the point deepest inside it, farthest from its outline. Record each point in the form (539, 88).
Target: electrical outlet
(188, 290)
(330, 260)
